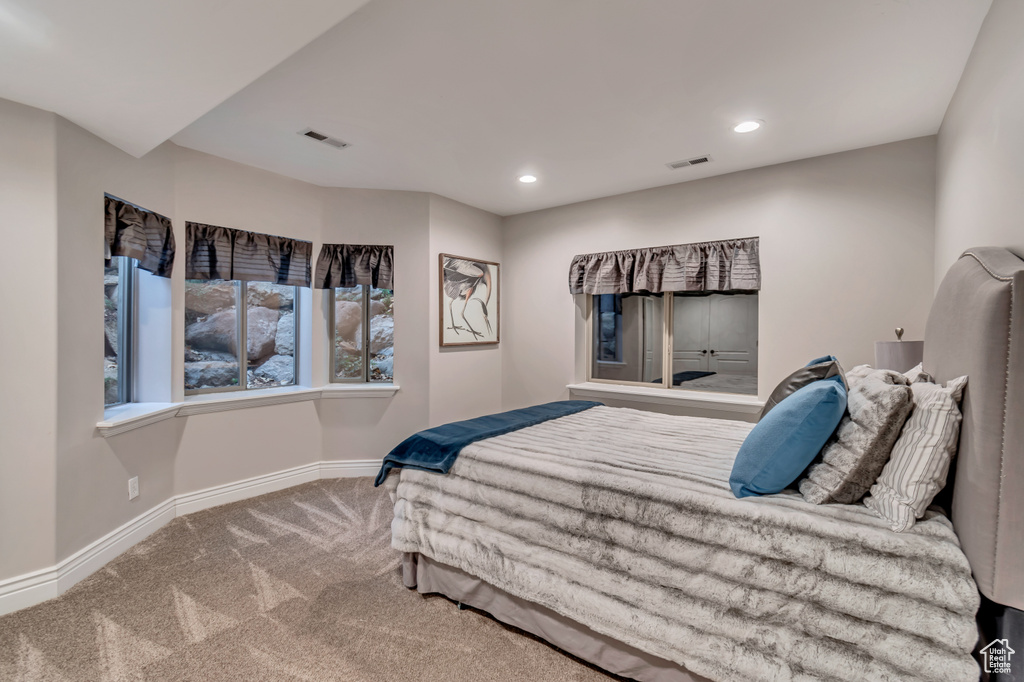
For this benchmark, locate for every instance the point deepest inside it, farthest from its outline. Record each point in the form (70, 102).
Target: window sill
(206, 403)
(354, 390)
(117, 420)
(135, 415)
(724, 402)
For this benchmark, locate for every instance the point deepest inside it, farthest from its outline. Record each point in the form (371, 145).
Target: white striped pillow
(920, 459)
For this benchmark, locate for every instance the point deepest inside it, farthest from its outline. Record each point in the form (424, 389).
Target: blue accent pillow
(788, 438)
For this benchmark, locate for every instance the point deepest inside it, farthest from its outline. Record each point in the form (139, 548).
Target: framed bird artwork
(469, 304)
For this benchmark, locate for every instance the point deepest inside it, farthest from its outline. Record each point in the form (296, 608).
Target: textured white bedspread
(623, 520)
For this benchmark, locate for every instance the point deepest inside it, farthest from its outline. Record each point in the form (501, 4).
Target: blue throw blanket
(436, 449)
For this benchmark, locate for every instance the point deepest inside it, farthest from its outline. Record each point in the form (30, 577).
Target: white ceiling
(135, 72)
(594, 97)
(459, 97)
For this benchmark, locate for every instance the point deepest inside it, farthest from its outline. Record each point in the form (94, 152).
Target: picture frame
(469, 303)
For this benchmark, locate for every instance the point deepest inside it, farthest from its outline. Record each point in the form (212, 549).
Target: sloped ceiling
(135, 72)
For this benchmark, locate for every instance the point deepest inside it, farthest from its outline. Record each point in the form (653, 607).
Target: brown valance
(729, 265)
(137, 233)
(347, 265)
(223, 253)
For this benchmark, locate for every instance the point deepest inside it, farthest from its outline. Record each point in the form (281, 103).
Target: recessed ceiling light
(748, 126)
(527, 178)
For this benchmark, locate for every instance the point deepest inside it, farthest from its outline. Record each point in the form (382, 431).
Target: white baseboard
(33, 588)
(27, 590)
(349, 468)
(241, 490)
(91, 558)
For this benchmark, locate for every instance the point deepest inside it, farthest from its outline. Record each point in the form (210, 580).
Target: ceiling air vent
(697, 160)
(326, 139)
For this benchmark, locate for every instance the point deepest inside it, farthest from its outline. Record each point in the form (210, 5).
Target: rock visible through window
(111, 322)
(364, 331)
(270, 334)
(217, 326)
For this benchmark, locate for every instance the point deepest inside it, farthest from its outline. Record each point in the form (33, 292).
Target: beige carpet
(296, 585)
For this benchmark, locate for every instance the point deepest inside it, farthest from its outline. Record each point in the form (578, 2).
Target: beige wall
(92, 475)
(846, 256)
(62, 485)
(28, 339)
(465, 380)
(981, 145)
(369, 428)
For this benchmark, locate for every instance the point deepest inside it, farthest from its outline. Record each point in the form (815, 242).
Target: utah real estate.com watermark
(996, 656)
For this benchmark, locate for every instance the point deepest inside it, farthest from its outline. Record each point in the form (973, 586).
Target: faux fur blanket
(623, 520)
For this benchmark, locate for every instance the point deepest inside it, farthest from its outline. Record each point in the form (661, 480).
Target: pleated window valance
(347, 265)
(223, 253)
(137, 233)
(728, 265)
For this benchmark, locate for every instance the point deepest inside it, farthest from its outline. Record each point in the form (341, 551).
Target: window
(135, 239)
(118, 329)
(608, 328)
(362, 318)
(708, 341)
(239, 335)
(241, 290)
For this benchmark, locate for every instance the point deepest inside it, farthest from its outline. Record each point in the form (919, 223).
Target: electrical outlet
(133, 487)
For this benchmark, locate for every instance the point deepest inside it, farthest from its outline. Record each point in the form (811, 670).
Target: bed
(612, 533)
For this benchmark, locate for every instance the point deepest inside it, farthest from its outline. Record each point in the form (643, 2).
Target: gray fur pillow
(879, 403)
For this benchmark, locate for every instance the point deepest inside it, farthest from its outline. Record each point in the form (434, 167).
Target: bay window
(358, 283)
(118, 329)
(135, 240)
(241, 308)
(239, 335)
(363, 347)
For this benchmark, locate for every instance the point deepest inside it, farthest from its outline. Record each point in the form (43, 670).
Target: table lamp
(898, 355)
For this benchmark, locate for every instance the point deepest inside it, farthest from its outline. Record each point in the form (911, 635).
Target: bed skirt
(430, 577)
